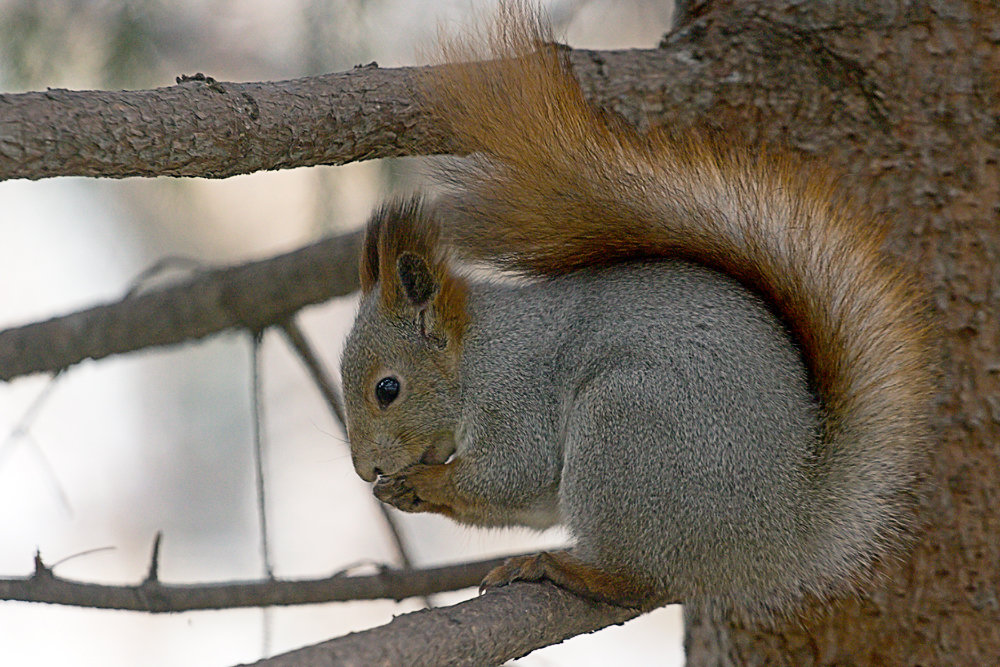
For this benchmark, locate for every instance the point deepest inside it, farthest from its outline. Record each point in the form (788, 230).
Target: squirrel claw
(518, 568)
(568, 572)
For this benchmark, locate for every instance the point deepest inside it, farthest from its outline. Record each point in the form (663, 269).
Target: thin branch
(156, 597)
(21, 432)
(297, 339)
(161, 270)
(253, 296)
(257, 416)
(153, 573)
(396, 535)
(504, 624)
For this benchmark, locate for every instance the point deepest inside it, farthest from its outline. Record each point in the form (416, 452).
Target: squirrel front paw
(419, 488)
(395, 490)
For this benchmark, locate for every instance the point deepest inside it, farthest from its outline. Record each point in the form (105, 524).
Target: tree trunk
(903, 97)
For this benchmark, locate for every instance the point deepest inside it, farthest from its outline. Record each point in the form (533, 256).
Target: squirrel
(709, 373)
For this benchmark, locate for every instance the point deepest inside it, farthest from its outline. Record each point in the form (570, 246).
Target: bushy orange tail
(556, 185)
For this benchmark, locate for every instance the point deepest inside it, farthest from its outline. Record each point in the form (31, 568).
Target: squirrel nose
(368, 473)
(367, 470)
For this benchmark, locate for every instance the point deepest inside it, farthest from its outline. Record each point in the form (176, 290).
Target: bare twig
(153, 573)
(156, 597)
(21, 432)
(253, 296)
(325, 385)
(293, 333)
(257, 408)
(149, 278)
(399, 542)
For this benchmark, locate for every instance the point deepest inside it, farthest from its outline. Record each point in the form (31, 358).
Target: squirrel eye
(386, 391)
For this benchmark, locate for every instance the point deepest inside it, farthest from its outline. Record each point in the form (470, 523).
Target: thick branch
(216, 129)
(254, 295)
(210, 129)
(153, 596)
(196, 129)
(504, 624)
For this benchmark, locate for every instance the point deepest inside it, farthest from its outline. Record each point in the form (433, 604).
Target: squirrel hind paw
(572, 574)
(518, 568)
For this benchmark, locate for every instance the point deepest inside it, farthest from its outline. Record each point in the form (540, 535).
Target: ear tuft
(369, 255)
(416, 278)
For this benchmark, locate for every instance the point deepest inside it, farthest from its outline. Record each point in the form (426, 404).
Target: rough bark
(206, 128)
(504, 624)
(902, 97)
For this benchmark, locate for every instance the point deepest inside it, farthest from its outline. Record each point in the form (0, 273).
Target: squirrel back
(555, 190)
(556, 185)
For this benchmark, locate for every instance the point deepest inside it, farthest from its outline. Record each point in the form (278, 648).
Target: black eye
(386, 391)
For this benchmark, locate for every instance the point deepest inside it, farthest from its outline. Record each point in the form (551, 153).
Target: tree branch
(155, 597)
(253, 295)
(504, 624)
(196, 129)
(206, 128)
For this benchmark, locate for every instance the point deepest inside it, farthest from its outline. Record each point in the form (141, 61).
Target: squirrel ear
(416, 278)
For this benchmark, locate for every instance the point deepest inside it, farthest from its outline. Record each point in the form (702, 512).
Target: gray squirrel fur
(711, 377)
(661, 412)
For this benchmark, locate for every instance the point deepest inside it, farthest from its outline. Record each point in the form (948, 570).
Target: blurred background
(94, 463)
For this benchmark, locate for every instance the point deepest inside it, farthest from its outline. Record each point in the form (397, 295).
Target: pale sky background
(161, 440)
